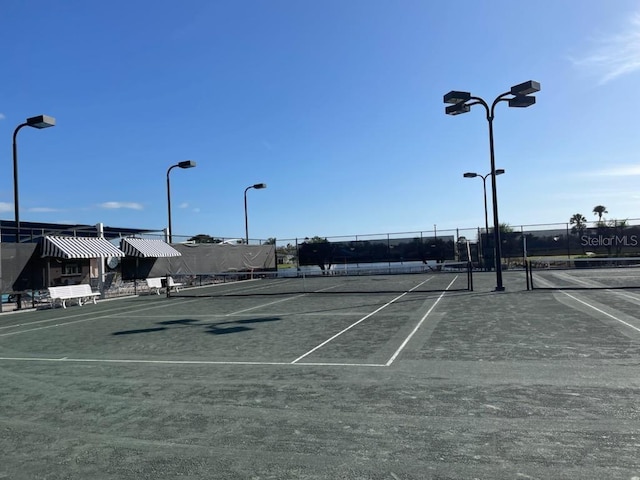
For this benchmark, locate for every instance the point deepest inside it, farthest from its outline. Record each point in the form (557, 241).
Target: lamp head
(525, 88)
(522, 101)
(187, 164)
(470, 175)
(41, 121)
(455, 96)
(499, 171)
(457, 109)
(260, 185)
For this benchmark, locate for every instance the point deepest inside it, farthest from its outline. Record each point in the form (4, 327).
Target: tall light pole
(39, 122)
(499, 171)
(246, 217)
(183, 164)
(461, 102)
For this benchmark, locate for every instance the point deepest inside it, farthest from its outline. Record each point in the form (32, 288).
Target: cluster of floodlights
(519, 96)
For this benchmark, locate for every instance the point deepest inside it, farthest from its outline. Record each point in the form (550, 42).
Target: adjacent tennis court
(585, 273)
(398, 377)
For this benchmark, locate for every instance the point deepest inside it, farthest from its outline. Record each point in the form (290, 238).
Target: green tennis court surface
(379, 383)
(586, 273)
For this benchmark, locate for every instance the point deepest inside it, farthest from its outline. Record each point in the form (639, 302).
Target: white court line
(613, 317)
(630, 296)
(602, 311)
(180, 362)
(406, 340)
(359, 321)
(262, 305)
(107, 315)
(276, 301)
(80, 314)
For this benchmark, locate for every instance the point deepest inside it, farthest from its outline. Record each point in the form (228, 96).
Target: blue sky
(336, 105)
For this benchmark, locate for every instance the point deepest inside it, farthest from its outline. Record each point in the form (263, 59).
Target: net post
(526, 273)
(470, 276)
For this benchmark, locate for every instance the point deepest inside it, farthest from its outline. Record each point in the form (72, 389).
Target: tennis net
(452, 276)
(584, 273)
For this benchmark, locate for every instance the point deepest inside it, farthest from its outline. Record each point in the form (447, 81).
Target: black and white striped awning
(143, 247)
(79, 247)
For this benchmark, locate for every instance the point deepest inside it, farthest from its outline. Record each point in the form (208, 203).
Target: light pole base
(499, 289)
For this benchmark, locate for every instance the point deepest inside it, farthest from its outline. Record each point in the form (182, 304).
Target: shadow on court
(218, 328)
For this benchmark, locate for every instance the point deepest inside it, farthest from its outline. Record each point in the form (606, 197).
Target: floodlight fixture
(41, 121)
(498, 171)
(522, 101)
(455, 96)
(526, 88)
(517, 96)
(187, 164)
(257, 186)
(457, 109)
(183, 164)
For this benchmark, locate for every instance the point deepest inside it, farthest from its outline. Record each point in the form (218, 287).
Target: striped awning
(79, 247)
(142, 247)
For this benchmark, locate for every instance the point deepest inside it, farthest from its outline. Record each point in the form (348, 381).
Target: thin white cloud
(2, 116)
(43, 209)
(183, 205)
(116, 205)
(616, 171)
(6, 207)
(615, 55)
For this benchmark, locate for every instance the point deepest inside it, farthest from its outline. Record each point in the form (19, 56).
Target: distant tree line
(324, 254)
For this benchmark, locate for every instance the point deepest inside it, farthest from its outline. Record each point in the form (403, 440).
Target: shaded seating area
(142, 255)
(113, 266)
(79, 275)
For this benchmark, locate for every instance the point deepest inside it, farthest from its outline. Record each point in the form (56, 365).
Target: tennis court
(586, 273)
(399, 377)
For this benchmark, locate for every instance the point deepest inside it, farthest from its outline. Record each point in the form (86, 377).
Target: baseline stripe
(180, 362)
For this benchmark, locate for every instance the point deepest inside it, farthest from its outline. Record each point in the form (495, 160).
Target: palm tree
(579, 223)
(599, 210)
